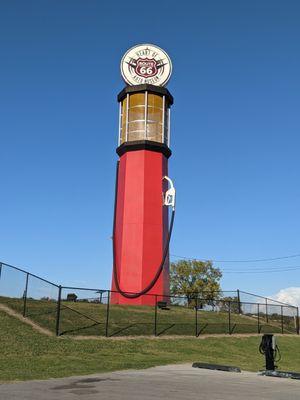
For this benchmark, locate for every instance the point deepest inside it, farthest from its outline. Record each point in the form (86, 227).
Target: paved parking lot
(176, 382)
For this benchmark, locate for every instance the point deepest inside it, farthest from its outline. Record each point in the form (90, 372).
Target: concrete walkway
(173, 382)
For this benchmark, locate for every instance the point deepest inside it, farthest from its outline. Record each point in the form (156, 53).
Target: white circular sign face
(146, 63)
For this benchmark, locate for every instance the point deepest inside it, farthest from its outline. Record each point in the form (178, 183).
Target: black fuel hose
(129, 295)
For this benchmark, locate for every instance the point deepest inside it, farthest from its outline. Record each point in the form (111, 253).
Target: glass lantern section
(144, 116)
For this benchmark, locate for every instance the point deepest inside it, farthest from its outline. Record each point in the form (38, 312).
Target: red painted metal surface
(141, 226)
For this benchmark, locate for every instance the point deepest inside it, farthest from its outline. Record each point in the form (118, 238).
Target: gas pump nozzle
(169, 196)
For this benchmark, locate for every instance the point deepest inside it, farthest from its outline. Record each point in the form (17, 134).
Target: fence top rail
(29, 273)
(87, 289)
(177, 296)
(180, 297)
(115, 291)
(244, 303)
(267, 298)
(193, 296)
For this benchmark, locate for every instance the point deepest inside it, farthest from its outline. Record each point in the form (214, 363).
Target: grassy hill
(27, 354)
(86, 318)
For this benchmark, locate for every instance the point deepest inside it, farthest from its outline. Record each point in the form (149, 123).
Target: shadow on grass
(166, 329)
(80, 329)
(202, 329)
(232, 329)
(123, 329)
(80, 313)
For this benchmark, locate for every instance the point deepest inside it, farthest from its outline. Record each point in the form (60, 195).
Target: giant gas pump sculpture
(144, 192)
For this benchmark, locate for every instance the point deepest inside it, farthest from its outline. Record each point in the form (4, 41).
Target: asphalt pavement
(176, 382)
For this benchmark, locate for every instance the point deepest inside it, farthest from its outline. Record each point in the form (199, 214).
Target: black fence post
(0, 270)
(239, 301)
(107, 313)
(25, 295)
(297, 321)
(267, 317)
(58, 311)
(258, 327)
(229, 317)
(281, 319)
(196, 317)
(155, 316)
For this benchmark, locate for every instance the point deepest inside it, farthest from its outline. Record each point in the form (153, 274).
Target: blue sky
(235, 133)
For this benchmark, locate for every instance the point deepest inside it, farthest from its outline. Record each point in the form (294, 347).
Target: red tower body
(141, 218)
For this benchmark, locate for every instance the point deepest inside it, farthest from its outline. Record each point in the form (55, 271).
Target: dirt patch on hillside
(27, 321)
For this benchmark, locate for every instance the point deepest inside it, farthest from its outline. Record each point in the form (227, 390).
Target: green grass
(26, 354)
(83, 318)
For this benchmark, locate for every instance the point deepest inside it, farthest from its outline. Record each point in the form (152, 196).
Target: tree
(193, 279)
(71, 297)
(234, 304)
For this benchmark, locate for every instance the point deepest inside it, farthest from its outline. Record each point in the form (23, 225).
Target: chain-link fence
(94, 312)
(29, 295)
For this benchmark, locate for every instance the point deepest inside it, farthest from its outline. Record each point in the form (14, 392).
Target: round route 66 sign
(146, 63)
